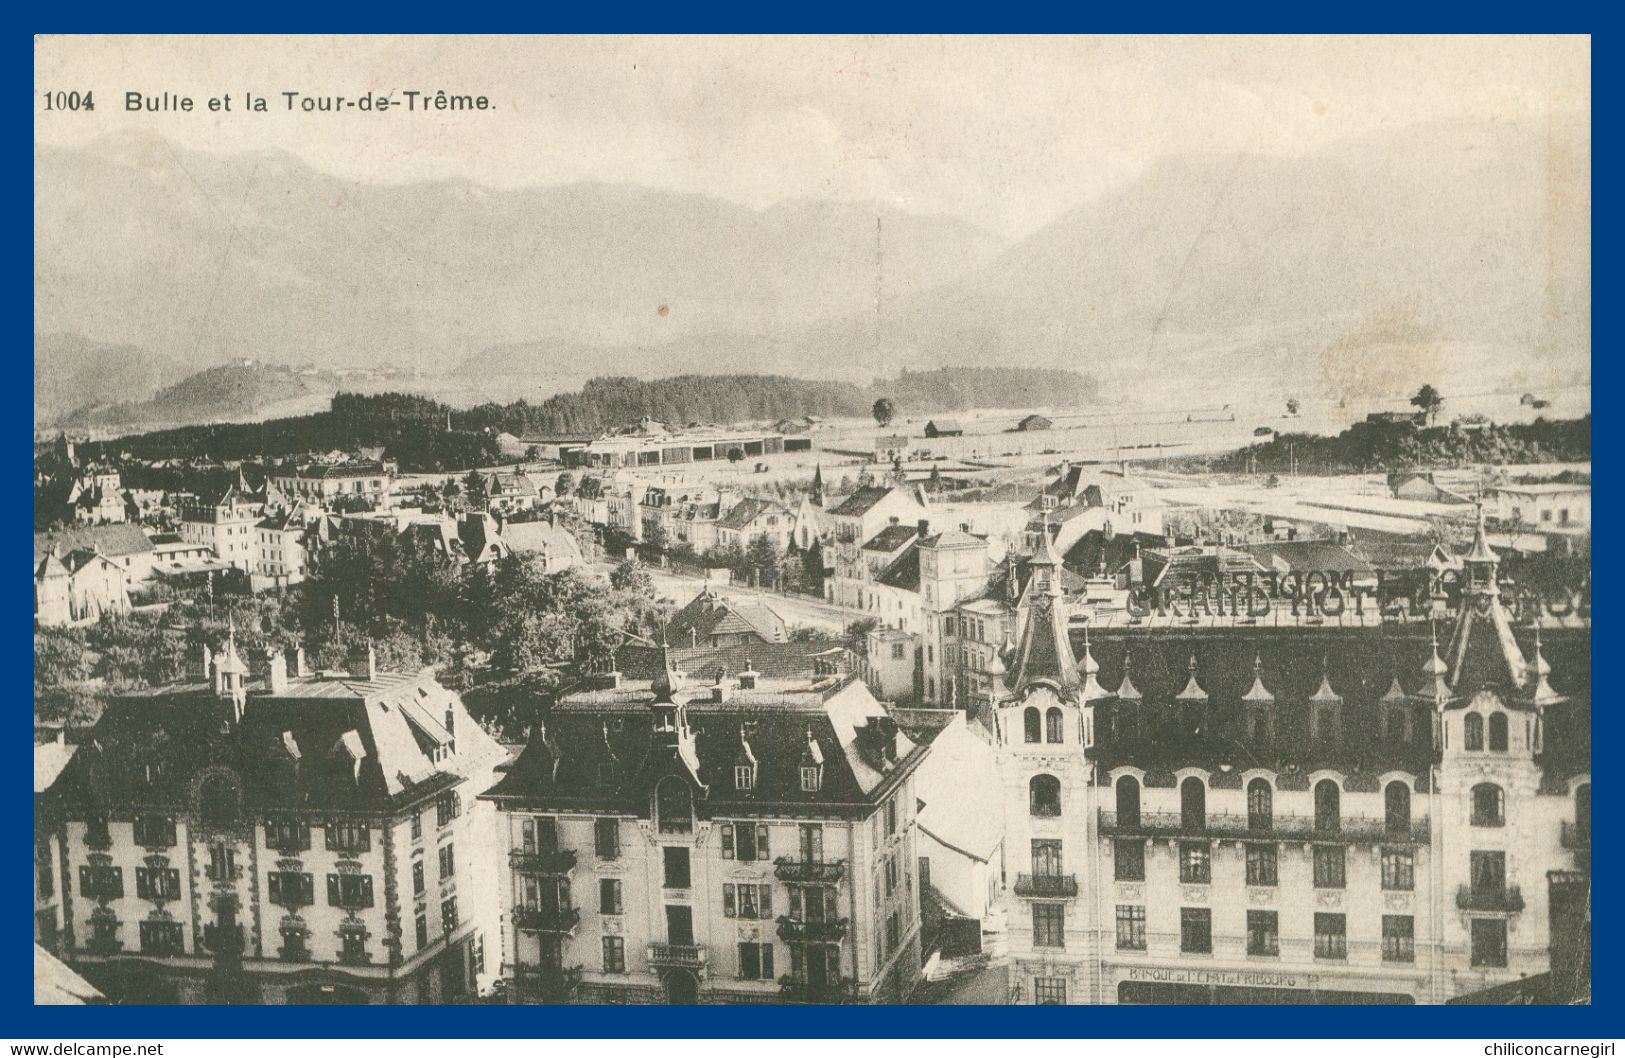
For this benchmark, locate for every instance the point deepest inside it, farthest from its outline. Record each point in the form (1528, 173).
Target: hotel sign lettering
(1230, 978)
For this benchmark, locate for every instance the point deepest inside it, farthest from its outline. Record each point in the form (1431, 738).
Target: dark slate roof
(904, 572)
(114, 541)
(1359, 667)
(747, 511)
(891, 538)
(1305, 556)
(861, 501)
(709, 614)
(704, 664)
(1086, 553)
(147, 748)
(561, 767)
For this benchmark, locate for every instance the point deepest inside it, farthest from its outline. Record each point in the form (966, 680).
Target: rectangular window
(291, 889)
(1331, 936)
(448, 914)
(755, 961)
(348, 837)
(1128, 855)
(161, 938)
(448, 862)
(417, 878)
(1195, 862)
(1488, 871)
(287, 835)
(423, 930)
(891, 817)
(155, 832)
(609, 896)
(1195, 929)
(158, 883)
(1398, 869)
(349, 890)
(1130, 927)
(100, 883)
(417, 826)
(744, 777)
(1398, 939)
(756, 901)
(812, 843)
(1261, 864)
(1329, 867)
(607, 838)
(448, 806)
(1049, 991)
(615, 955)
(1489, 942)
(744, 841)
(676, 867)
(1049, 925)
(1263, 933)
(809, 778)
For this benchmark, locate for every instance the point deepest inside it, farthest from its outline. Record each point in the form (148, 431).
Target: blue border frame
(48, 1024)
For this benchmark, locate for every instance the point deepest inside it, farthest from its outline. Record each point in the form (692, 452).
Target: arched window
(674, 806)
(1489, 806)
(1031, 723)
(1582, 810)
(1498, 732)
(1328, 805)
(1260, 805)
(1473, 731)
(1044, 795)
(1128, 801)
(1396, 804)
(1193, 804)
(1052, 725)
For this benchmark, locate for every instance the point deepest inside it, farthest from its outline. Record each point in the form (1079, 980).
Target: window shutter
(366, 890)
(333, 899)
(766, 901)
(728, 900)
(767, 961)
(727, 841)
(275, 887)
(307, 888)
(795, 904)
(761, 841)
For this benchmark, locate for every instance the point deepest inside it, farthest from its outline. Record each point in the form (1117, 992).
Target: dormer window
(812, 778)
(744, 777)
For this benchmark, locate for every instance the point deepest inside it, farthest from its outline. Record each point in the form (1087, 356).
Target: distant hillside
(223, 392)
(604, 402)
(72, 372)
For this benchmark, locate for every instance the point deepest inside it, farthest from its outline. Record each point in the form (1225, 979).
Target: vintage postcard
(812, 520)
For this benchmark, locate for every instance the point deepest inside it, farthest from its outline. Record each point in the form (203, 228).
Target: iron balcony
(789, 870)
(799, 930)
(549, 861)
(547, 984)
(546, 919)
(1359, 830)
(841, 990)
(1507, 898)
(1046, 885)
(677, 956)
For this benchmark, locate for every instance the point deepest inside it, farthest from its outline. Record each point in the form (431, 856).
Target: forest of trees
(1368, 446)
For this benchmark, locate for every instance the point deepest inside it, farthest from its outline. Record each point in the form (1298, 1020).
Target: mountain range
(1423, 253)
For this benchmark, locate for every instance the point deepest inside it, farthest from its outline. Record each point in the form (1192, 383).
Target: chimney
(925, 526)
(719, 693)
(747, 679)
(276, 672)
(363, 663)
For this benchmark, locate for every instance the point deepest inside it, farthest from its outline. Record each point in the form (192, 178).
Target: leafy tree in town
(1428, 399)
(475, 488)
(857, 635)
(1292, 405)
(630, 576)
(884, 411)
(565, 484)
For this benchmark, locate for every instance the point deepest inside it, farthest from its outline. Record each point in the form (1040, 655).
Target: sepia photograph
(812, 520)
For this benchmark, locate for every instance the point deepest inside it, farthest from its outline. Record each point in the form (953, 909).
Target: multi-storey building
(713, 837)
(1245, 813)
(225, 525)
(322, 483)
(298, 837)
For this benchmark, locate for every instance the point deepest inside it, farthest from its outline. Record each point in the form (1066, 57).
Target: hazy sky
(1004, 132)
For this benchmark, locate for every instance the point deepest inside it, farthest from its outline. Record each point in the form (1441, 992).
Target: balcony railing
(546, 919)
(678, 956)
(1507, 898)
(1046, 885)
(1576, 837)
(841, 990)
(542, 861)
(789, 870)
(797, 930)
(546, 984)
(1354, 830)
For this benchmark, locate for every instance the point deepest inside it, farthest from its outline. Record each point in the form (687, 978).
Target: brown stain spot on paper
(1320, 108)
(664, 310)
